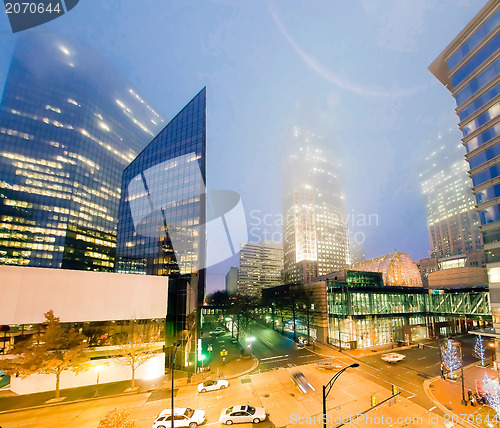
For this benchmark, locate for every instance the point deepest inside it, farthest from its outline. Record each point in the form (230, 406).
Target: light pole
(329, 386)
(464, 401)
(176, 346)
(98, 369)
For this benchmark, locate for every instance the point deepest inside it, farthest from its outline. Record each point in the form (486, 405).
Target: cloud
(328, 75)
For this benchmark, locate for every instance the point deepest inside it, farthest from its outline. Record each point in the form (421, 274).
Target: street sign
(223, 353)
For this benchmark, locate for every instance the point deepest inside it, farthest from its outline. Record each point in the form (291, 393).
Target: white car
(393, 357)
(183, 417)
(242, 414)
(212, 385)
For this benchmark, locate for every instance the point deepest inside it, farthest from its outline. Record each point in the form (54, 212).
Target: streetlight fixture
(329, 386)
(176, 346)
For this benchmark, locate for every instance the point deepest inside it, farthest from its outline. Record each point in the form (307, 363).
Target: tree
(50, 352)
(139, 350)
(479, 349)
(451, 358)
(492, 390)
(116, 419)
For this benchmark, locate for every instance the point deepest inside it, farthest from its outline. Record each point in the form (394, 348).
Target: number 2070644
(32, 7)
(475, 419)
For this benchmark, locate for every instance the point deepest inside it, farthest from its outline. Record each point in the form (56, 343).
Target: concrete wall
(109, 370)
(78, 296)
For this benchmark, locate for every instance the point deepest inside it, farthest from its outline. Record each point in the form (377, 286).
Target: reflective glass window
(484, 156)
(491, 236)
(490, 215)
(488, 194)
(486, 175)
(475, 61)
(483, 137)
(489, 25)
(478, 82)
(479, 102)
(483, 118)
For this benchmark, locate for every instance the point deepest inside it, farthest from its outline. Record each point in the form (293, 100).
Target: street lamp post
(176, 346)
(329, 386)
(464, 401)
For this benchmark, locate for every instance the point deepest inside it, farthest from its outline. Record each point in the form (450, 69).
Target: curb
(426, 385)
(254, 366)
(83, 400)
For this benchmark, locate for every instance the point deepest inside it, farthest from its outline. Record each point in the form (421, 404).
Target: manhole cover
(246, 380)
(266, 395)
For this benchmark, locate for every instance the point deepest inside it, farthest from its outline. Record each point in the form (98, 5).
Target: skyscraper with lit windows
(315, 238)
(69, 125)
(452, 220)
(469, 67)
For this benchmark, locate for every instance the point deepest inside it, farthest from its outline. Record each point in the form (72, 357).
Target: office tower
(452, 220)
(261, 266)
(469, 68)
(69, 125)
(232, 281)
(356, 251)
(315, 236)
(162, 219)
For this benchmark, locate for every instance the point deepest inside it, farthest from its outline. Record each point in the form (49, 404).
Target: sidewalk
(447, 395)
(12, 402)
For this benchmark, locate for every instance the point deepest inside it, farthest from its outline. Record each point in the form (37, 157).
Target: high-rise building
(315, 238)
(452, 220)
(469, 68)
(232, 281)
(161, 228)
(261, 266)
(69, 125)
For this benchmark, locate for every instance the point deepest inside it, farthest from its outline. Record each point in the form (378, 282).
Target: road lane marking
(266, 341)
(421, 358)
(411, 396)
(432, 408)
(272, 358)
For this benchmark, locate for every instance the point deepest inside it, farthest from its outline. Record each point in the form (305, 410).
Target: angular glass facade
(162, 217)
(470, 67)
(452, 219)
(69, 125)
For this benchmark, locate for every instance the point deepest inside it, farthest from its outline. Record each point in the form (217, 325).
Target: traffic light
(395, 390)
(374, 400)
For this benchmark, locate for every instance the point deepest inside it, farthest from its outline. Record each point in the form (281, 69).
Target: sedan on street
(212, 385)
(242, 414)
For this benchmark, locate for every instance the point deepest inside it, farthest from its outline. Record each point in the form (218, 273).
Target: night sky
(363, 64)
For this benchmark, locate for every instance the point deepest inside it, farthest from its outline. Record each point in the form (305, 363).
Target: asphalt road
(274, 351)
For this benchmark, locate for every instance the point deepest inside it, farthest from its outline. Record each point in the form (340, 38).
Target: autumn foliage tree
(116, 419)
(52, 351)
(139, 350)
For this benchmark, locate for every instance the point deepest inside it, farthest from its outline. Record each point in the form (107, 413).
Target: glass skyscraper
(69, 125)
(469, 67)
(452, 220)
(161, 228)
(315, 238)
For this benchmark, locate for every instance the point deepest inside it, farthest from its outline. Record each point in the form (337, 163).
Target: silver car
(242, 414)
(302, 383)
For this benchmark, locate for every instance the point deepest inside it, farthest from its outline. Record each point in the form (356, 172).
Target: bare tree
(50, 352)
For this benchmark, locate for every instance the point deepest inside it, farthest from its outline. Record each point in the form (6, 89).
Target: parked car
(183, 417)
(242, 414)
(218, 331)
(393, 357)
(301, 382)
(212, 385)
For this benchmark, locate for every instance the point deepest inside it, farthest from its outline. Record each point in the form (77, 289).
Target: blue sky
(363, 64)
